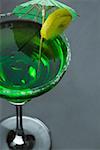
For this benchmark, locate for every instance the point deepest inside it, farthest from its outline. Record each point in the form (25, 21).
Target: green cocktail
(20, 77)
(34, 55)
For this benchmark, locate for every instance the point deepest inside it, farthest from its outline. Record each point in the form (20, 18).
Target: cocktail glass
(21, 80)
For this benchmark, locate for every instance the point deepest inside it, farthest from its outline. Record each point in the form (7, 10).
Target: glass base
(33, 127)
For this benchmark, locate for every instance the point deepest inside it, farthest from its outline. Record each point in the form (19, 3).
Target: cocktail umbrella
(38, 10)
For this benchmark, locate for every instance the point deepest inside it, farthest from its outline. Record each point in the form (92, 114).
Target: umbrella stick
(6, 15)
(41, 40)
(36, 17)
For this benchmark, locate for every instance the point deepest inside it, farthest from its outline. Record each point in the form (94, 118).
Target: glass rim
(34, 92)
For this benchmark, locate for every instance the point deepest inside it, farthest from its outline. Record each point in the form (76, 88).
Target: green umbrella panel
(33, 9)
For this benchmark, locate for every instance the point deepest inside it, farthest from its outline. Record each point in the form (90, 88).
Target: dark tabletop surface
(72, 109)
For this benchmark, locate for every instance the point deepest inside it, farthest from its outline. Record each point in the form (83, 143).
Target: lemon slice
(56, 23)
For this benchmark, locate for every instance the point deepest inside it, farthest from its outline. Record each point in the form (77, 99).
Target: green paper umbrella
(36, 9)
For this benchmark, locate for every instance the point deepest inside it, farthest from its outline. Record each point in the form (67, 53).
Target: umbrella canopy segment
(33, 9)
(31, 12)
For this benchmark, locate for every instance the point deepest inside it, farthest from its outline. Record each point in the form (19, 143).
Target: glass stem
(19, 120)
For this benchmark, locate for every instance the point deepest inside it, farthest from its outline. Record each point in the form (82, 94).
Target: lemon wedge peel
(73, 13)
(56, 23)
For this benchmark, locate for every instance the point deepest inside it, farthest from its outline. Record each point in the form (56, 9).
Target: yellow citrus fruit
(56, 23)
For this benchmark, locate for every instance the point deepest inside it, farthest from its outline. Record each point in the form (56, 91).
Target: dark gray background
(72, 109)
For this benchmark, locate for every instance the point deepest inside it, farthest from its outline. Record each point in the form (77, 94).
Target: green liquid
(20, 77)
